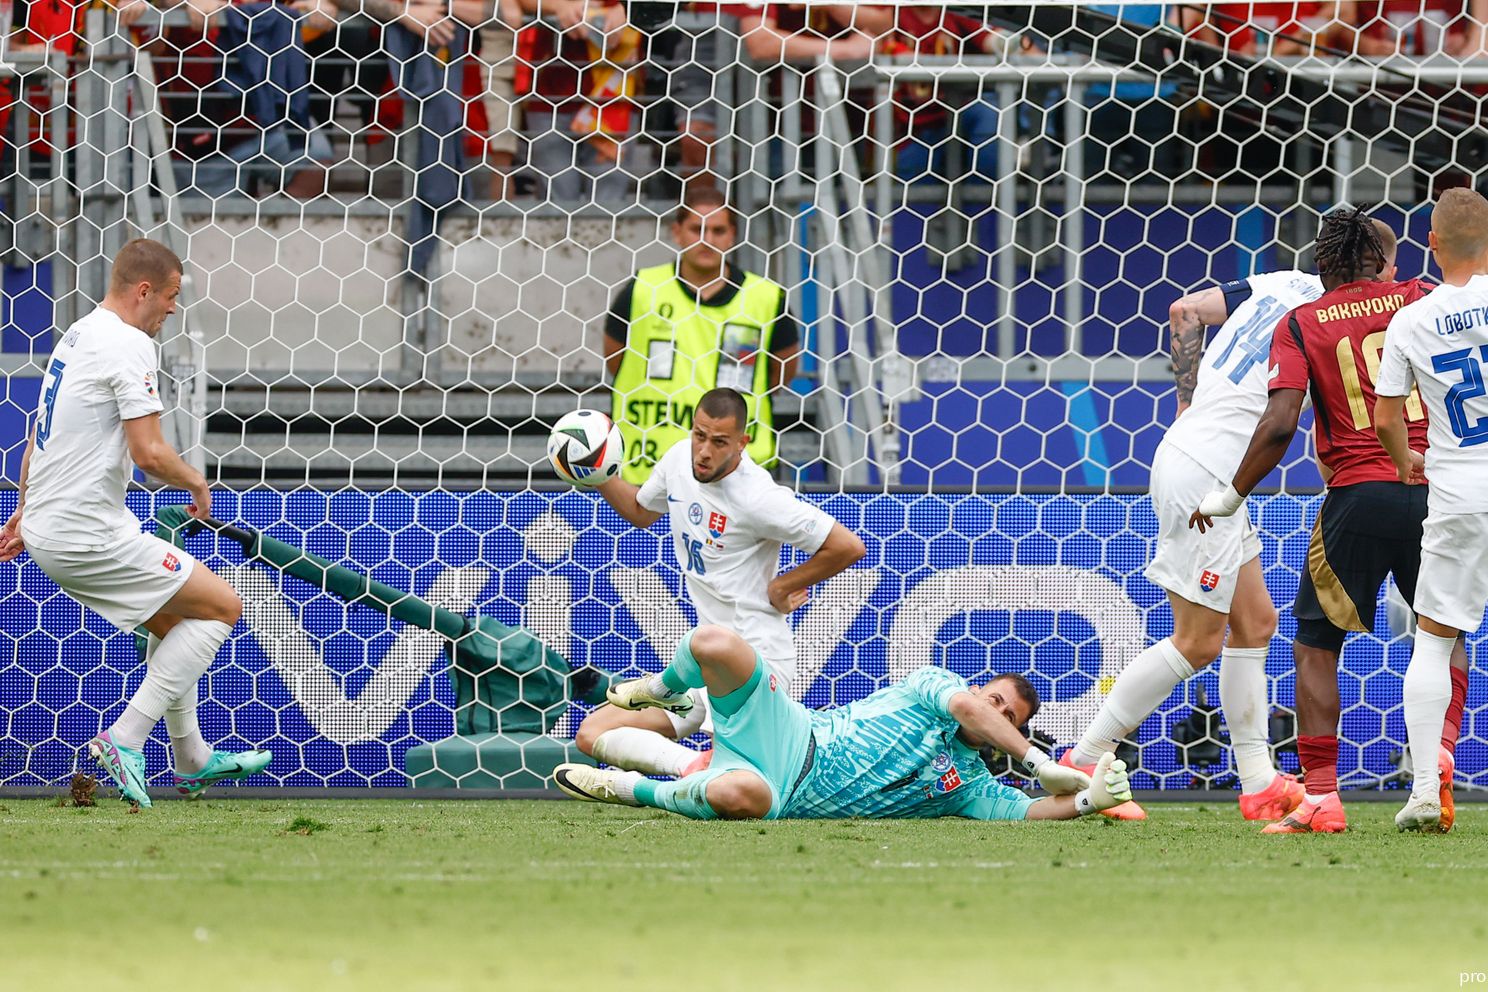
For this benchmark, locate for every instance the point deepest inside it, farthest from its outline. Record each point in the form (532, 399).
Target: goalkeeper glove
(1054, 778)
(1109, 787)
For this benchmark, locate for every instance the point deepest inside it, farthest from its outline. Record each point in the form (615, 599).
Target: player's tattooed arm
(1187, 318)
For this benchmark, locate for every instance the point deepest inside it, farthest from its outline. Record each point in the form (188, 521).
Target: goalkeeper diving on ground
(909, 750)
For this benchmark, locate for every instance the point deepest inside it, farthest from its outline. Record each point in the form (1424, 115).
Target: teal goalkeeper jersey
(895, 754)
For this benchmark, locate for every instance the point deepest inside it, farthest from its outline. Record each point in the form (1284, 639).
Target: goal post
(979, 216)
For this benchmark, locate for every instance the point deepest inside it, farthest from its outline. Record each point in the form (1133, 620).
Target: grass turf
(267, 895)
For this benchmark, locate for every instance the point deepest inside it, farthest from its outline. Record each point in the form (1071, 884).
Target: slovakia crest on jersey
(695, 513)
(949, 782)
(171, 563)
(1209, 581)
(942, 763)
(716, 524)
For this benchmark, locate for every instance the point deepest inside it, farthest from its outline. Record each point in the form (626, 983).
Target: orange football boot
(1326, 817)
(1275, 801)
(1446, 765)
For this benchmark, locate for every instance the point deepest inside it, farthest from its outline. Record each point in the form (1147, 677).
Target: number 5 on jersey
(50, 383)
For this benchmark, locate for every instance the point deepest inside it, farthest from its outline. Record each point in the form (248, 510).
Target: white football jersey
(102, 373)
(727, 535)
(1231, 392)
(1440, 343)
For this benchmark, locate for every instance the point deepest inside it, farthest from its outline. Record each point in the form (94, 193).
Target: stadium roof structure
(1308, 98)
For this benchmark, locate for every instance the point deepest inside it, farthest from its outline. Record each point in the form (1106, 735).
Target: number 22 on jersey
(50, 383)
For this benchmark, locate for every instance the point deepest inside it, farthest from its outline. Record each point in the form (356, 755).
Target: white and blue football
(585, 448)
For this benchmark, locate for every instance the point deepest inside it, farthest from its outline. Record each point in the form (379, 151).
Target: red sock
(1319, 757)
(1453, 725)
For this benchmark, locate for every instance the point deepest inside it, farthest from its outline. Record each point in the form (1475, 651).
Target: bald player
(1441, 345)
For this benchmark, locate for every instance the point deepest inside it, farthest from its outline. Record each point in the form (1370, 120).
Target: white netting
(404, 227)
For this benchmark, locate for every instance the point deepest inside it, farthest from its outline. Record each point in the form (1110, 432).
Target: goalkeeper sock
(1452, 727)
(1427, 692)
(1242, 696)
(642, 751)
(1140, 688)
(683, 673)
(687, 796)
(182, 657)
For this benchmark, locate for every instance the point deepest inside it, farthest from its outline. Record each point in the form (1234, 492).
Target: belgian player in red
(1370, 522)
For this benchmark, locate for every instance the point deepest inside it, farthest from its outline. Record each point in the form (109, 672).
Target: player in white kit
(98, 417)
(729, 519)
(1440, 343)
(1213, 580)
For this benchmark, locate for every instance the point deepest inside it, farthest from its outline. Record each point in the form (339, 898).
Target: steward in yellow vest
(676, 331)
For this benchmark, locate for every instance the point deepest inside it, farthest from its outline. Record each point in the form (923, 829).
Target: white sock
(189, 750)
(1426, 694)
(657, 687)
(625, 785)
(172, 667)
(132, 727)
(1244, 699)
(1140, 688)
(642, 751)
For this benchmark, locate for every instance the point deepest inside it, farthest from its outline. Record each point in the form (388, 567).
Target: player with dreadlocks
(1370, 522)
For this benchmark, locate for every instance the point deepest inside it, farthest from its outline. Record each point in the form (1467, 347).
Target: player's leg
(762, 737)
(1449, 595)
(643, 741)
(1151, 676)
(1351, 553)
(1265, 793)
(186, 636)
(709, 658)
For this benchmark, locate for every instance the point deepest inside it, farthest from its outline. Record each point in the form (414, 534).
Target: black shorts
(1363, 533)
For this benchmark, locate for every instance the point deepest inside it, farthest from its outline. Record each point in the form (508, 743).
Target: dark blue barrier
(1048, 585)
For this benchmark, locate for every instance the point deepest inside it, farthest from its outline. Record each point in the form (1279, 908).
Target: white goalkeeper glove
(1109, 787)
(1056, 779)
(1221, 503)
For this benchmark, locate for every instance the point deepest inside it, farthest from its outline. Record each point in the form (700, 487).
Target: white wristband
(1084, 805)
(1033, 760)
(1221, 503)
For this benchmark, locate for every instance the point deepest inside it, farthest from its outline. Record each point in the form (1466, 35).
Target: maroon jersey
(1331, 347)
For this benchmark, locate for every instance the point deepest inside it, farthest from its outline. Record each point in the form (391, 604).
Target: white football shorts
(126, 583)
(1452, 587)
(1201, 568)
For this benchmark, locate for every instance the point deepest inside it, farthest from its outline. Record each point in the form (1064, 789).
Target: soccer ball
(585, 448)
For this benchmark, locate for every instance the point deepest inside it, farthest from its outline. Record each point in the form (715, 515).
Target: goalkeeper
(908, 750)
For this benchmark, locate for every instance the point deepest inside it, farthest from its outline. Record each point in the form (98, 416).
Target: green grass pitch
(416, 895)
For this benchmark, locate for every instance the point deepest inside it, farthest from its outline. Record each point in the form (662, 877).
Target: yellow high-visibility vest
(677, 349)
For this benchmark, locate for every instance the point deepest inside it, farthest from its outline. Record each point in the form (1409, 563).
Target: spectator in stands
(1422, 28)
(769, 35)
(582, 59)
(1301, 27)
(677, 330)
(496, 22)
(266, 134)
(1133, 126)
(933, 118)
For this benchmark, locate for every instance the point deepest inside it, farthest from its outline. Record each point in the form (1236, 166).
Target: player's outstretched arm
(1267, 447)
(156, 458)
(11, 542)
(622, 496)
(1109, 788)
(791, 589)
(1187, 318)
(983, 725)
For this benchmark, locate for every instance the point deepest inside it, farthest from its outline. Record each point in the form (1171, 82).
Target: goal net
(407, 239)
